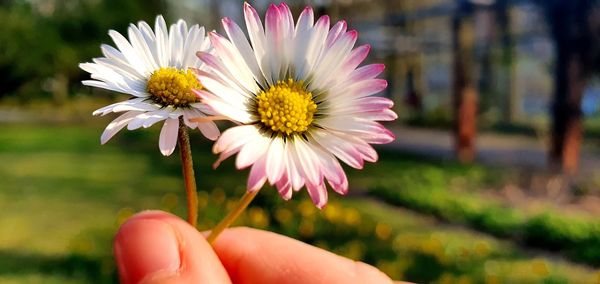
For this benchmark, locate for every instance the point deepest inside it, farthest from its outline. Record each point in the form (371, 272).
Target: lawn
(469, 195)
(63, 196)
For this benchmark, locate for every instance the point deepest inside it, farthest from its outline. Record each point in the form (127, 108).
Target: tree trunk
(507, 75)
(567, 121)
(573, 27)
(464, 93)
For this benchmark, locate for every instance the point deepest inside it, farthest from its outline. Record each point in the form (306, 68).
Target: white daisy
(153, 66)
(300, 99)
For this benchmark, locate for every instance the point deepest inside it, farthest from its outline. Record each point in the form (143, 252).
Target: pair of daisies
(295, 91)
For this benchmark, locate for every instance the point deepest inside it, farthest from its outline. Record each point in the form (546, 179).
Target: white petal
(331, 169)
(307, 161)
(237, 37)
(366, 72)
(371, 103)
(116, 125)
(274, 35)
(284, 186)
(287, 19)
(154, 117)
(114, 55)
(130, 53)
(235, 113)
(355, 57)
(203, 109)
(150, 39)
(301, 41)
(234, 137)
(315, 46)
(147, 119)
(318, 194)
(226, 154)
(189, 114)
(177, 33)
(348, 124)
(340, 148)
(276, 160)
(232, 59)
(326, 70)
(257, 176)
(209, 130)
(195, 42)
(168, 136)
(115, 78)
(370, 131)
(127, 74)
(162, 41)
(139, 44)
(253, 150)
(383, 115)
(256, 34)
(221, 82)
(113, 87)
(338, 29)
(137, 104)
(293, 173)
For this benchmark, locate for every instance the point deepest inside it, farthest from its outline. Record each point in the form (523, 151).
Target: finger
(157, 247)
(255, 256)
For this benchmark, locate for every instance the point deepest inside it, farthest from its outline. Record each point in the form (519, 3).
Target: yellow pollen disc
(173, 87)
(286, 107)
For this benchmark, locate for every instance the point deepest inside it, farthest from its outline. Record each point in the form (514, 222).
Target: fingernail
(145, 248)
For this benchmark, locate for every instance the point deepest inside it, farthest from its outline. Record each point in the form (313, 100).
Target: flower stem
(187, 166)
(232, 216)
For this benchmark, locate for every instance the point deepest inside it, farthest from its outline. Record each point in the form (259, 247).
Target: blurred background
(494, 177)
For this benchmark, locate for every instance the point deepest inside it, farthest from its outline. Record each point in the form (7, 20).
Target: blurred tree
(575, 28)
(464, 91)
(506, 77)
(17, 39)
(42, 42)
(486, 21)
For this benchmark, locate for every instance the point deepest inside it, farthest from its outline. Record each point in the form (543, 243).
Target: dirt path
(492, 149)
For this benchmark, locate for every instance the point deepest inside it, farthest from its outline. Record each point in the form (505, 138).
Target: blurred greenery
(455, 193)
(63, 197)
(42, 42)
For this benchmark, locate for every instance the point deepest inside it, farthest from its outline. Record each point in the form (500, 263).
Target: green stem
(187, 166)
(232, 216)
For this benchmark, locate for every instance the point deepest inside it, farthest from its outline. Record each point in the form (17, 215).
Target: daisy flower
(299, 98)
(153, 67)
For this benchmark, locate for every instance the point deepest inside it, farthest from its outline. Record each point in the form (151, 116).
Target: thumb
(157, 247)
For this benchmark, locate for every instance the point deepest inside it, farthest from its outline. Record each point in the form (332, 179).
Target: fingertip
(158, 247)
(144, 248)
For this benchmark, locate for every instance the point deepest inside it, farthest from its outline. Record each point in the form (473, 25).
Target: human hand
(157, 247)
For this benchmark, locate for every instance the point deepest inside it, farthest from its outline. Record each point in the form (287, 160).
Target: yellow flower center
(173, 87)
(286, 107)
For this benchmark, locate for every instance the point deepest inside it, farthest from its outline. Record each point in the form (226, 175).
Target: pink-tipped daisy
(153, 67)
(299, 98)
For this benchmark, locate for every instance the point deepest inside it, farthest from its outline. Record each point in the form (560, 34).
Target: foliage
(433, 190)
(42, 42)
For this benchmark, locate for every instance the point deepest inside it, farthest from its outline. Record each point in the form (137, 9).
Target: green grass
(453, 193)
(63, 196)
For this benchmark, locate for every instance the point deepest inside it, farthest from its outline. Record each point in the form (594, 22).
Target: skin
(157, 247)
